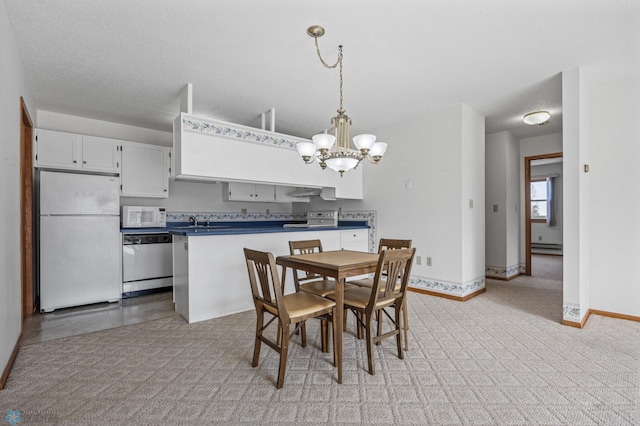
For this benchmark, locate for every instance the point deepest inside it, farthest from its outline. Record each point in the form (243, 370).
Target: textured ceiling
(126, 61)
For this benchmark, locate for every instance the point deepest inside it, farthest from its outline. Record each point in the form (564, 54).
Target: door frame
(26, 211)
(527, 205)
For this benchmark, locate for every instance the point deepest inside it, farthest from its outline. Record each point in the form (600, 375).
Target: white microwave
(143, 217)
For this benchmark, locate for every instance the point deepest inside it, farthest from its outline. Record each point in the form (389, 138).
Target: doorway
(544, 211)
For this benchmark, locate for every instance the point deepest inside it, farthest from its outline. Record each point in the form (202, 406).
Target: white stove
(328, 219)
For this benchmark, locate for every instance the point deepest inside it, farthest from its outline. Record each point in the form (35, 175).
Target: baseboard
(577, 324)
(601, 313)
(12, 358)
(614, 315)
(448, 296)
(490, 277)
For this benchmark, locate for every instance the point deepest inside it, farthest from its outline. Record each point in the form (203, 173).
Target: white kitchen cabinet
(145, 170)
(244, 191)
(356, 239)
(60, 150)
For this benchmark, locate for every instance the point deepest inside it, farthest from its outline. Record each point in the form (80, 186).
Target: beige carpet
(548, 267)
(501, 358)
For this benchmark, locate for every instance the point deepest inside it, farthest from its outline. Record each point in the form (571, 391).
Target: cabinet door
(243, 191)
(100, 154)
(262, 192)
(57, 150)
(354, 240)
(145, 170)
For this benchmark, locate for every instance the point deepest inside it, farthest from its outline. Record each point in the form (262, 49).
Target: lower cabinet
(356, 240)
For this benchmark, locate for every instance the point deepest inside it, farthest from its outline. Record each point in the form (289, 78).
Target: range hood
(324, 193)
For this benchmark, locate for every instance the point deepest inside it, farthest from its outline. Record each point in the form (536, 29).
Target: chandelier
(334, 151)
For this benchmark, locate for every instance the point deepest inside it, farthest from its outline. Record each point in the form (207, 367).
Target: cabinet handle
(74, 161)
(84, 162)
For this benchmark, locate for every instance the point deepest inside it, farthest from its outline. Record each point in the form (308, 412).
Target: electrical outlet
(243, 212)
(428, 261)
(495, 207)
(418, 260)
(470, 203)
(267, 212)
(539, 238)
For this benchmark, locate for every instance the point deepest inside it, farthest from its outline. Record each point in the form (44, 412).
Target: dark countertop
(233, 228)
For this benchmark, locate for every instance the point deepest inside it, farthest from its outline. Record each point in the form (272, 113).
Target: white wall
(421, 189)
(206, 197)
(12, 86)
(575, 147)
(614, 203)
(87, 126)
(503, 191)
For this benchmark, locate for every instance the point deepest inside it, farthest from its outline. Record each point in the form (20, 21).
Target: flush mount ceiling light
(537, 118)
(334, 150)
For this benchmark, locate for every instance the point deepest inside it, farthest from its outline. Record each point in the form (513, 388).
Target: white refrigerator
(79, 240)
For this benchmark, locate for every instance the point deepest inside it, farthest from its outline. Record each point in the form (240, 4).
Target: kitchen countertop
(232, 228)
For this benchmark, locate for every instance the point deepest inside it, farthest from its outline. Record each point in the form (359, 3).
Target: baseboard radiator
(549, 246)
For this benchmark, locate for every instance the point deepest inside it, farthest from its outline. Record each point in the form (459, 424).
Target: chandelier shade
(334, 151)
(377, 151)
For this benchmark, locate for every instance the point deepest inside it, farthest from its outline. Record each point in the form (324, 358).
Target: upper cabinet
(145, 170)
(60, 150)
(215, 150)
(244, 191)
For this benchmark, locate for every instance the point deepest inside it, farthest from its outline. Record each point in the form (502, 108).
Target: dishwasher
(147, 263)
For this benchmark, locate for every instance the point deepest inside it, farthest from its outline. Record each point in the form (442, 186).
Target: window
(539, 201)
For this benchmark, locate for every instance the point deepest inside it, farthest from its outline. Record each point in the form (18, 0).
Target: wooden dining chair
(291, 309)
(314, 283)
(384, 295)
(390, 244)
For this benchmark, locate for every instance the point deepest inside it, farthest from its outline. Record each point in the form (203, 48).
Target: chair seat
(365, 282)
(359, 298)
(301, 305)
(368, 283)
(323, 287)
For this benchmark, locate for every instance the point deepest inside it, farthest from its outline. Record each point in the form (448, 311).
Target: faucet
(193, 220)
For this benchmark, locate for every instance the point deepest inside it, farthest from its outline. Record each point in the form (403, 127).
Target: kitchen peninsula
(209, 271)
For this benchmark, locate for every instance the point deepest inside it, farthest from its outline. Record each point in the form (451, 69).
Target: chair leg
(379, 319)
(303, 330)
(405, 323)
(256, 347)
(284, 350)
(369, 333)
(324, 340)
(399, 331)
(335, 326)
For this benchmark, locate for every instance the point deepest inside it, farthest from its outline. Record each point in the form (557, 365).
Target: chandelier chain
(326, 65)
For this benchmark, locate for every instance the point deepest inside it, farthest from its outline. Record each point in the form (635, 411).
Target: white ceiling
(126, 61)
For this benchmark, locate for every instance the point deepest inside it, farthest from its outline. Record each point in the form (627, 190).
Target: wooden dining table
(339, 265)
